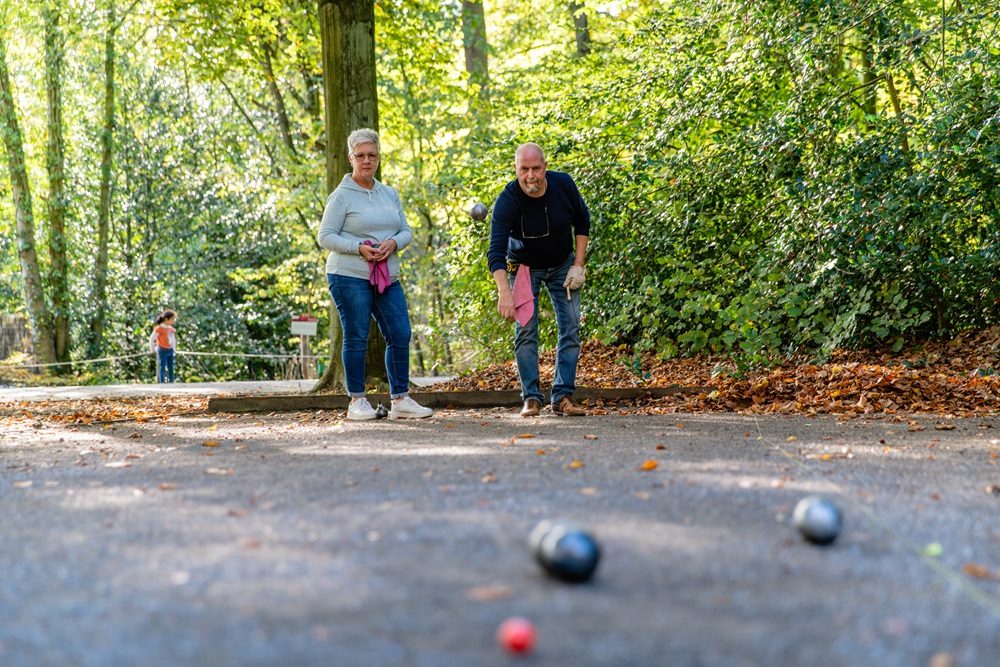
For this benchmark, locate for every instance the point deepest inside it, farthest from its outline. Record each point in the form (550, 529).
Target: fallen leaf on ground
(942, 660)
(489, 593)
(979, 571)
(575, 464)
(590, 436)
(488, 478)
(648, 464)
(210, 443)
(220, 471)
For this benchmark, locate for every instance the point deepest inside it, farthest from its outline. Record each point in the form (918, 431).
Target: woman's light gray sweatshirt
(353, 215)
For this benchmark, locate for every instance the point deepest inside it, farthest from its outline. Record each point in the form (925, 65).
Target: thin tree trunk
(56, 164)
(868, 102)
(279, 101)
(582, 28)
(898, 108)
(34, 292)
(98, 321)
(351, 101)
(476, 59)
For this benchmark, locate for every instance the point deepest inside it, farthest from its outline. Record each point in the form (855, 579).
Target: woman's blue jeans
(165, 365)
(567, 311)
(358, 302)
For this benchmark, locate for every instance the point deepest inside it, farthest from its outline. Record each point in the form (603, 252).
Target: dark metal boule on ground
(817, 519)
(564, 551)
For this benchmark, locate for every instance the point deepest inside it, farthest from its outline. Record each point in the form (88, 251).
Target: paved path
(261, 388)
(300, 540)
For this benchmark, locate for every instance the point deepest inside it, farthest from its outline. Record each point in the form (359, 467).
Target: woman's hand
(368, 253)
(384, 249)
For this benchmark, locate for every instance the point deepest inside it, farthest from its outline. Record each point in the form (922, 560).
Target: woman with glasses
(538, 236)
(364, 229)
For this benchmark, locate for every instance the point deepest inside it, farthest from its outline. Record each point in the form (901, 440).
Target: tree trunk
(351, 98)
(56, 164)
(279, 101)
(476, 61)
(904, 141)
(34, 292)
(99, 317)
(868, 77)
(580, 24)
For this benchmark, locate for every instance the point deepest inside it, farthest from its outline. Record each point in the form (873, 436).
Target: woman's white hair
(362, 136)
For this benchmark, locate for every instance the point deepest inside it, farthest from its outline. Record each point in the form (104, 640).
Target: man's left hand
(575, 278)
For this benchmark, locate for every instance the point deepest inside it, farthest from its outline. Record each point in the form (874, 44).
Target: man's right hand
(505, 305)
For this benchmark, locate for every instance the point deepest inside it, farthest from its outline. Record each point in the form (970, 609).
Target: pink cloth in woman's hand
(378, 274)
(524, 300)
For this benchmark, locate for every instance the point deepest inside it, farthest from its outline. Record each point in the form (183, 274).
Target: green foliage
(743, 201)
(763, 177)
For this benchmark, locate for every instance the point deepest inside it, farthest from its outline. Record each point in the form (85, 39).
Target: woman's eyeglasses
(362, 157)
(536, 236)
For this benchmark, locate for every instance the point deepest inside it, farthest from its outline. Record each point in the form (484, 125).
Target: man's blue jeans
(358, 302)
(568, 344)
(165, 364)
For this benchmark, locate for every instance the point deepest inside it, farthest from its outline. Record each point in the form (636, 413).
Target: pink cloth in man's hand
(378, 273)
(524, 300)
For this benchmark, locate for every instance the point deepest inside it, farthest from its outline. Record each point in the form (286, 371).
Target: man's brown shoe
(531, 408)
(566, 408)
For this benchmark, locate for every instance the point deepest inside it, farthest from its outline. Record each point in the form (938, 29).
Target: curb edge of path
(431, 399)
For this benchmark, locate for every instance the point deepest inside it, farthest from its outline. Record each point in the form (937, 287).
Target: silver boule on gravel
(818, 520)
(478, 211)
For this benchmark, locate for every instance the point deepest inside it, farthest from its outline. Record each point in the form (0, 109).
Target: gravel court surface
(304, 540)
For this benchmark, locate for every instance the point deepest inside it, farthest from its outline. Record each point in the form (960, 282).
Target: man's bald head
(529, 148)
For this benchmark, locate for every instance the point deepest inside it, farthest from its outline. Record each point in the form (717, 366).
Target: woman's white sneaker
(360, 409)
(407, 408)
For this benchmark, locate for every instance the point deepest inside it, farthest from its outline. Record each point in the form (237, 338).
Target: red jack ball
(516, 635)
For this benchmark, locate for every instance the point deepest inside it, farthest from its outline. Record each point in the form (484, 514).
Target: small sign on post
(304, 326)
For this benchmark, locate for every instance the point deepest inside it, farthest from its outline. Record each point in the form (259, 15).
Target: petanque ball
(478, 211)
(817, 519)
(564, 551)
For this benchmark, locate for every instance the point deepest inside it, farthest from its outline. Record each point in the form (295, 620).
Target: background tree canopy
(764, 178)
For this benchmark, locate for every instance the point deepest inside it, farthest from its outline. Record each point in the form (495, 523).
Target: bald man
(538, 236)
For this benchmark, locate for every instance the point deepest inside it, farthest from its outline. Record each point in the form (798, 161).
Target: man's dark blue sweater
(539, 232)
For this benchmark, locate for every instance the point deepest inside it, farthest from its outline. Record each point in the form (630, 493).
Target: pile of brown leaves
(101, 410)
(956, 377)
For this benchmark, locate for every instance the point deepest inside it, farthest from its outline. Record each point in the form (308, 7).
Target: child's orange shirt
(164, 333)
